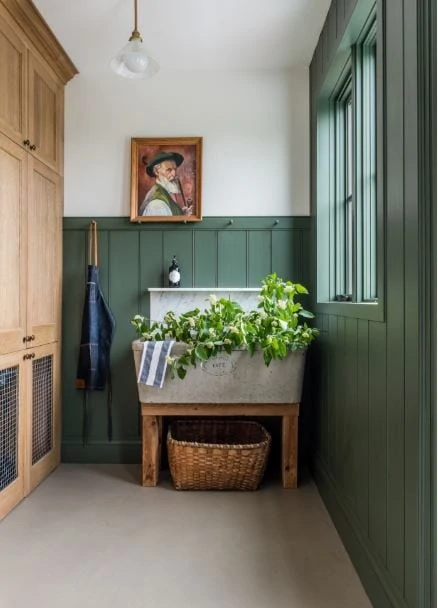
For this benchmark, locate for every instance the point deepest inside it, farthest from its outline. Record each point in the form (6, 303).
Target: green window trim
(366, 166)
(350, 239)
(343, 208)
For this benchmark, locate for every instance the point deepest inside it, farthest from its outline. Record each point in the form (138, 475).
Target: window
(344, 217)
(354, 105)
(347, 218)
(367, 65)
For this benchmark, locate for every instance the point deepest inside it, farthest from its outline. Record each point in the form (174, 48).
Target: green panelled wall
(217, 252)
(371, 379)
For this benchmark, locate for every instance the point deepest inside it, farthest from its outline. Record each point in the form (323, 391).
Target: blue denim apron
(98, 326)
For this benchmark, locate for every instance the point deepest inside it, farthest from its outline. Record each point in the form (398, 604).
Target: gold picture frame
(166, 178)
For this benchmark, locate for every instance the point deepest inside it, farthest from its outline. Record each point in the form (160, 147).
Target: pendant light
(133, 61)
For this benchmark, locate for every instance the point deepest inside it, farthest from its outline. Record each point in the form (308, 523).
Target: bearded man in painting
(166, 196)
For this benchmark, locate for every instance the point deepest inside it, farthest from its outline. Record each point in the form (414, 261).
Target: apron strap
(85, 419)
(109, 404)
(85, 413)
(92, 244)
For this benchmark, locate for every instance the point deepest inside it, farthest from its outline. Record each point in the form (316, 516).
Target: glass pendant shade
(133, 61)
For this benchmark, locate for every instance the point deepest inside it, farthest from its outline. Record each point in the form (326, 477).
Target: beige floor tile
(91, 537)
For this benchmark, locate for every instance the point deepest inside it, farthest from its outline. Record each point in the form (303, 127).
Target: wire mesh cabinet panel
(12, 427)
(43, 435)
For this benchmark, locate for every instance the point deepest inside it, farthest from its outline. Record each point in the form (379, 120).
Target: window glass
(355, 205)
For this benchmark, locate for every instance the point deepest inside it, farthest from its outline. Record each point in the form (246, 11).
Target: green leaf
(228, 348)
(182, 372)
(300, 288)
(201, 353)
(306, 314)
(251, 348)
(267, 356)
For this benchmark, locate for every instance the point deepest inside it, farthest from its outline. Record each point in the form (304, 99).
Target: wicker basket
(217, 454)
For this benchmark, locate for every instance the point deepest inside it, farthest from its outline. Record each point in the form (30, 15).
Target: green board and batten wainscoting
(373, 382)
(217, 252)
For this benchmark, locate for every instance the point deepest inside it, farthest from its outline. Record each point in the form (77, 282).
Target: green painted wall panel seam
(427, 70)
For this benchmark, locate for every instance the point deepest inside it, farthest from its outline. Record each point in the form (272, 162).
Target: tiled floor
(91, 537)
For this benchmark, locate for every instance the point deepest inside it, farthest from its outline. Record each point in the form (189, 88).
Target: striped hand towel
(153, 363)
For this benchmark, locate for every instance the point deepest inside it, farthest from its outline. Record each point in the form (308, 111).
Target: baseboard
(114, 452)
(380, 589)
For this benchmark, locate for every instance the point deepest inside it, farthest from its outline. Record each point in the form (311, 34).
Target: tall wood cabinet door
(44, 254)
(12, 430)
(13, 84)
(46, 102)
(13, 245)
(43, 430)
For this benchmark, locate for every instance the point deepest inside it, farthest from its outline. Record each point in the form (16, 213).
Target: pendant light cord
(135, 34)
(133, 60)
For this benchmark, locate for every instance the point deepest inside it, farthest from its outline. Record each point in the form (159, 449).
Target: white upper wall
(190, 34)
(254, 124)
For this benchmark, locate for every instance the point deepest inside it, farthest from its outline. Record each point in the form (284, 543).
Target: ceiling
(190, 34)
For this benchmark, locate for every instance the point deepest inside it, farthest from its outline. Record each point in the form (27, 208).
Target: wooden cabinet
(46, 100)
(13, 245)
(12, 431)
(43, 420)
(44, 263)
(29, 421)
(13, 83)
(32, 100)
(33, 71)
(30, 250)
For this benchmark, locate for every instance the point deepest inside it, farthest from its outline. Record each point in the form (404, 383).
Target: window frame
(344, 239)
(366, 59)
(363, 34)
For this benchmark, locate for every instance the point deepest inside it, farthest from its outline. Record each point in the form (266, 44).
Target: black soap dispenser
(174, 273)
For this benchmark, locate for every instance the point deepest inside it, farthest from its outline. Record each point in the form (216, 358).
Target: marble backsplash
(182, 299)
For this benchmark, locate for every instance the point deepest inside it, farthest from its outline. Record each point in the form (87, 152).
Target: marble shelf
(204, 289)
(181, 299)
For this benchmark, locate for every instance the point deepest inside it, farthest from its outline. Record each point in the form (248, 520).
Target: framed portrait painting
(166, 176)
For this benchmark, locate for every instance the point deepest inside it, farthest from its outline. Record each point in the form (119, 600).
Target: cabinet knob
(26, 142)
(33, 147)
(29, 338)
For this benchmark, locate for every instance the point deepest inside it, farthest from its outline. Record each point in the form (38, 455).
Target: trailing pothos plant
(278, 325)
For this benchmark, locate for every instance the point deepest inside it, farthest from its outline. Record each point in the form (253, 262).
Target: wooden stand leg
(160, 441)
(289, 451)
(151, 448)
